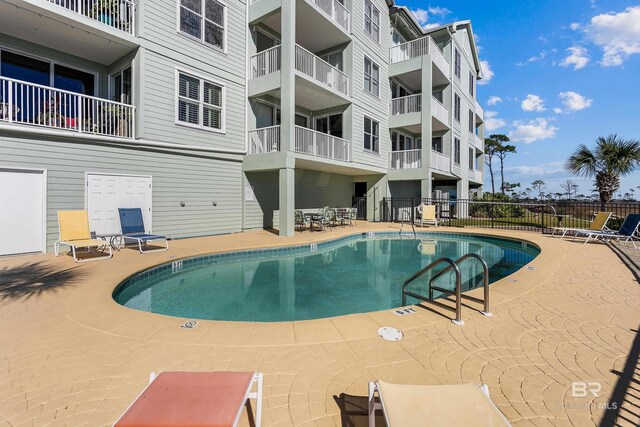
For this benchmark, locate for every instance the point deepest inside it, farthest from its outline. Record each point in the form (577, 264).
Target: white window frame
(370, 151)
(223, 102)
(201, 39)
(472, 121)
(472, 86)
(457, 63)
(364, 73)
(364, 20)
(112, 87)
(458, 151)
(457, 109)
(471, 159)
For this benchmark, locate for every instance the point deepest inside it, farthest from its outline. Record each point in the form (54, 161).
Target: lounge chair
(627, 232)
(73, 227)
(434, 405)
(428, 215)
(132, 226)
(195, 399)
(599, 223)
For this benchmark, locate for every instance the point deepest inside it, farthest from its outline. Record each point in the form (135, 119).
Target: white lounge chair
(428, 215)
(599, 223)
(403, 405)
(73, 228)
(628, 232)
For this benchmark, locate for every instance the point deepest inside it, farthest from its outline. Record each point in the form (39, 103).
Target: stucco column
(425, 126)
(287, 201)
(426, 186)
(287, 76)
(462, 192)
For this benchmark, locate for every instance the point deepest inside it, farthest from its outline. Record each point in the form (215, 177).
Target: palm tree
(612, 158)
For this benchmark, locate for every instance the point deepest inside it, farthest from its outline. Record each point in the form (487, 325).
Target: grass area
(532, 221)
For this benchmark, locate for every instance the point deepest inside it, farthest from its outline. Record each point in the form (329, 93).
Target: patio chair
(599, 223)
(434, 405)
(132, 226)
(195, 399)
(627, 232)
(300, 221)
(353, 216)
(428, 215)
(326, 218)
(73, 228)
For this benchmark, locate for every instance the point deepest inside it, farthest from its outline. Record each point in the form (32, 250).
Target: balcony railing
(475, 175)
(418, 47)
(478, 142)
(440, 161)
(336, 11)
(407, 159)
(264, 140)
(265, 62)
(406, 104)
(321, 71)
(314, 143)
(43, 106)
(439, 111)
(479, 110)
(118, 14)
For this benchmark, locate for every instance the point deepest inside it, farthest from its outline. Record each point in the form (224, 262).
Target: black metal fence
(521, 215)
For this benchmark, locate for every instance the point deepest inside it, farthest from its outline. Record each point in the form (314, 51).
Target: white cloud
(492, 121)
(487, 72)
(574, 101)
(493, 100)
(543, 54)
(574, 26)
(578, 58)
(424, 16)
(439, 11)
(557, 110)
(532, 103)
(539, 170)
(532, 130)
(618, 34)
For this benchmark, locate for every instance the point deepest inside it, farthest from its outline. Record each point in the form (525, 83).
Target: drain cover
(388, 333)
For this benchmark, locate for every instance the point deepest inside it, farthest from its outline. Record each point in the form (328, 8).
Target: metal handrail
(458, 292)
(410, 215)
(485, 281)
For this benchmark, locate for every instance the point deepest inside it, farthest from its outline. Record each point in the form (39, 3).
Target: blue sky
(560, 74)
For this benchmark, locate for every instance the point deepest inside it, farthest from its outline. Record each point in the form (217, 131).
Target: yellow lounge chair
(73, 227)
(599, 223)
(428, 215)
(403, 405)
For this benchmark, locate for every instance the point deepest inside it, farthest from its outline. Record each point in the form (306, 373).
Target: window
(471, 160)
(471, 81)
(331, 125)
(471, 121)
(456, 151)
(436, 144)
(456, 107)
(205, 20)
(121, 86)
(372, 20)
(371, 77)
(457, 63)
(334, 59)
(371, 135)
(401, 142)
(200, 103)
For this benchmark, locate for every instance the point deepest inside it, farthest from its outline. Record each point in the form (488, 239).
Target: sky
(556, 75)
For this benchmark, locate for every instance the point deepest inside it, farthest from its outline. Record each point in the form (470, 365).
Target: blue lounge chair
(627, 232)
(132, 226)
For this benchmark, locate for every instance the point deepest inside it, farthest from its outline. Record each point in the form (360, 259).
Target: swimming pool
(353, 274)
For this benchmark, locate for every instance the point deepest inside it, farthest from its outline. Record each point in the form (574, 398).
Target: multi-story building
(216, 116)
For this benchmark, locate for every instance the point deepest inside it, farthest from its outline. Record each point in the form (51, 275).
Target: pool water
(354, 274)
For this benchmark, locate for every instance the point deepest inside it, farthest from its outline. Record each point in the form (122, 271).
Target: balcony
(265, 62)
(119, 15)
(336, 12)
(321, 71)
(407, 159)
(475, 176)
(332, 10)
(478, 143)
(264, 140)
(479, 111)
(440, 162)
(417, 48)
(46, 107)
(406, 104)
(440, 113)
(318, 144)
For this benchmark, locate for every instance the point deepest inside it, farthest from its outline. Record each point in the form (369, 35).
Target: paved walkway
(69, 355)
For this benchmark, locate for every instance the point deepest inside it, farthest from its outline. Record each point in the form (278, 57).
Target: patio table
(113, 239)
(313, 217)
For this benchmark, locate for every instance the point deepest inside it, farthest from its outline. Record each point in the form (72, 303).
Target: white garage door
(21, 211)
(107, 193)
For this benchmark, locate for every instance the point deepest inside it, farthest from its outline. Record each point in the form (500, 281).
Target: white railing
(119, 14)
(336, 11)
(479, 110)
(407, 159)
(439, 111)
(478, 142)
(321, 71)
(408, 50)
(264, 140)
(475, 175)
(314, 143)
(440, 161)
(37, 105)
(265, 62)
(406, 104)
(438, 58)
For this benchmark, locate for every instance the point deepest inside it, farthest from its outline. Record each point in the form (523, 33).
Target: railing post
(10, 101)
(79, 109)
(458, 320)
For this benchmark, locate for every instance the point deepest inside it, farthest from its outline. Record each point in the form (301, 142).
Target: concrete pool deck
(70, 355)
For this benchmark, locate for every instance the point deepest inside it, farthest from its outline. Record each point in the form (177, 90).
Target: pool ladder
(455, 266)
(407, 214)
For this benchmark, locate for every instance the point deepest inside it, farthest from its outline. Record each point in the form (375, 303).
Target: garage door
(107, 193)
(21, 211)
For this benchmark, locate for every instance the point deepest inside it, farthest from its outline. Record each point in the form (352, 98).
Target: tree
(570, 187)
(539, 185)
(490, 148)
(501, 152)
(510, 188)
(527, 192)
(611, 159)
